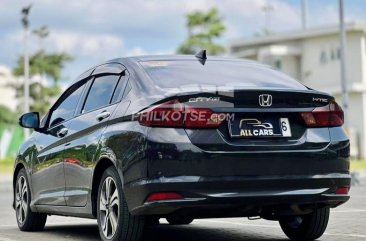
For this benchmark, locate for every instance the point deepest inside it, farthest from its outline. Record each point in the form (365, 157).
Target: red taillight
(169, 113)
(202, 118)
(159, 196)
(175, 114)
(326, 116)
(342, 190)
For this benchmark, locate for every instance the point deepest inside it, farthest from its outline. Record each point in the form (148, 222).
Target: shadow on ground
(164, 232)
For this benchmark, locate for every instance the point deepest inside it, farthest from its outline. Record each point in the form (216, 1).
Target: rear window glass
(101, 92)
(233, 74)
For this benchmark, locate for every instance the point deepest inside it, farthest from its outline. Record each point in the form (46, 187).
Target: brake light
(202, 118)
(176, 114)
(326, 116)
(159, 196)
(169, 113)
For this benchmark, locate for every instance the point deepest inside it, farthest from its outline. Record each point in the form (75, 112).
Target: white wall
(7, 94)
(325, 76)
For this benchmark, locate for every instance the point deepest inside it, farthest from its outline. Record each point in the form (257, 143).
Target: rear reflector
(175, 114)
(342, 190)
(326, 116)
(159, 196)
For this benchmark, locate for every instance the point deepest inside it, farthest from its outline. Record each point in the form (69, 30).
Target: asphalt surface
(347, 222)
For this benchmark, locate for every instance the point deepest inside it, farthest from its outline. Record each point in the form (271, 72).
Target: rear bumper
(261, 179)
(239, 196)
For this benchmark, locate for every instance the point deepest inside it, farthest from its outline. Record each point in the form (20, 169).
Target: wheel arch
(99, 169)
(19, 166)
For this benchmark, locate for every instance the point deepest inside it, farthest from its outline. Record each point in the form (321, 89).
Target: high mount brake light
(176, 114)
(330, 115)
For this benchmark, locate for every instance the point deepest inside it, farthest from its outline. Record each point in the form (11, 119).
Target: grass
(357, 165)
(6, 165)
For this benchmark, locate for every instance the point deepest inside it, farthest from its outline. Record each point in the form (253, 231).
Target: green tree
(41, 96)
(48, 65)
(203, 29)
(7, 116)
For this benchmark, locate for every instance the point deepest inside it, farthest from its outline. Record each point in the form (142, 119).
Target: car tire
(179, 220)
(26, 219)
(306, 227)
(115, 223)
(152, 221)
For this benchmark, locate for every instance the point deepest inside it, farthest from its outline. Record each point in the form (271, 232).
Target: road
(347, 222)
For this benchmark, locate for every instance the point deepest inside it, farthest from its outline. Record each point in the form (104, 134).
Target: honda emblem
(265, 100)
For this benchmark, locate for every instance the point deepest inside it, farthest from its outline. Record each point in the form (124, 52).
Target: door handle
(103, 115)
(62, 132)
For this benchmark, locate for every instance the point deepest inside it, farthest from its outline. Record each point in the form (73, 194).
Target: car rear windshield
(233, 74)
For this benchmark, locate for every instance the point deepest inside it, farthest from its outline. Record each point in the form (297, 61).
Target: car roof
(185, 57)
(144, 58)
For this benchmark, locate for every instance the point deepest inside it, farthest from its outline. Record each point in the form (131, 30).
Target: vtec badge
(318, 99)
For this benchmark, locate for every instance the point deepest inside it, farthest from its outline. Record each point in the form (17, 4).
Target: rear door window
(101, 92)
(119, 89)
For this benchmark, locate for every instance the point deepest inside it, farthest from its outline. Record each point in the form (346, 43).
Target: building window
(338, 53)
(278, 64)
(323, 57)
(333, 54)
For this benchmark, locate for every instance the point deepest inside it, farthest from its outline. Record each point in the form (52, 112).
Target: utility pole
(343, 52)
(25, 23)
(267, 9)
(304, 14)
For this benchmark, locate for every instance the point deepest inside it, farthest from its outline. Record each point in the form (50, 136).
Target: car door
(85, 131)
(48, 177)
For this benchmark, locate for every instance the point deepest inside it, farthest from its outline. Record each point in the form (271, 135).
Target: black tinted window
(66, 109)
(118, 89)
(240, 74)
(101, 92)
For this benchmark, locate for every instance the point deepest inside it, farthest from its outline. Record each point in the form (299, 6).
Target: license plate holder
(251, 127)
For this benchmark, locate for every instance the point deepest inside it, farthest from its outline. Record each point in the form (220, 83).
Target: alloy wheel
(21, 199)
(109, 207)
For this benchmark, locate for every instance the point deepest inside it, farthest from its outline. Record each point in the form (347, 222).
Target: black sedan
(137, 139)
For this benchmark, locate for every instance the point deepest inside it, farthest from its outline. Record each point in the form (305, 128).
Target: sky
(95, 31)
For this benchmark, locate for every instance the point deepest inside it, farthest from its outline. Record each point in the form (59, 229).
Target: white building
(312, 57)
(7, 94)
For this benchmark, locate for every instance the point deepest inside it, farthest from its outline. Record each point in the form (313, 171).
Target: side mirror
(29, 120)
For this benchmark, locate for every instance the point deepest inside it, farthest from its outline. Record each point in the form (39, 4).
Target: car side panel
(25, 158)
(48, 177)
(124, 142)
(79, 155)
